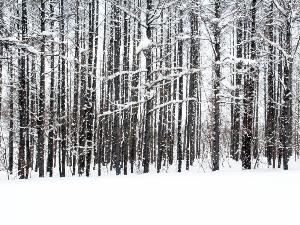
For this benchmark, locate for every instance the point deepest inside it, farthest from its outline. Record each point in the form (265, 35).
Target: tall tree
(147, 129)
(216, 85)
(180, 90)
(51, 135)
(193, 80)
(287, 113)
(1, 56)
(249, 81)
(238, 82)
(76, 89)
(271, 120)
(126, 120)
(11, 119)
(83, 104)
(62, 80)
(41, 111)
(116, 147)
(22, 93)
(90, 91)
(134, 92)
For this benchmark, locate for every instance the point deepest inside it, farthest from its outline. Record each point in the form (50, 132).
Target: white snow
(144, 44)
(241, 198)
(49, 33)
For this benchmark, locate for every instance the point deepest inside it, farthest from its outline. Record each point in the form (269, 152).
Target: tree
(271, 120)
(147, 135)
(1, 56)
(287, 113)
(134, 93)
(51, 135)
(249, 81)
(238, 83)
(180, 90)
(193, 80)
(11, 120)
(62, 80)
(41, 116)
(216, 86)
(22, 93)
(90, 90)
(76, 89)
(125, 91)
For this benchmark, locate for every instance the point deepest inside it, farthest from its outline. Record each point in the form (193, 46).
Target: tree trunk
(51, 141)
(180, 90)
(147, 131)
(216, 88)
(287, 93)
(249, 96)
(62, 115)
(271, 120)
(193, 101)
(22, 94)
(126, 118)
(238, 83)
(116, 147)
(11, 119)
(90, 103)
(41, 111)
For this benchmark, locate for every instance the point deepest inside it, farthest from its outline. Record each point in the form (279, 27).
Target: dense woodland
(138, 86)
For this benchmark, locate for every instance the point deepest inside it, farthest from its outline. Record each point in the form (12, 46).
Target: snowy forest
(91, 87)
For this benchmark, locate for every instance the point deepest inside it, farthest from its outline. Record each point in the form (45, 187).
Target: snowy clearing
(248, 197)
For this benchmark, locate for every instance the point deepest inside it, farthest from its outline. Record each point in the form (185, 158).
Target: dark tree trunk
(29, 154)
(22, 94)
(83, 108)
(41, 111)
(90, 106)
(126, 118)
(216, 89)
(76, 91)
(193, 101)
(62, 115)
(180, 90)
(147, 131)
(249, 96)
(1, 64)
(94, 82)
(11, 119)
(51, 141)
(161, 120)
(134, 97)
(287, 93)
(271, 120)
(238, 83)
(116, 147)
(279, 97)
(33, 104)
(101, 123)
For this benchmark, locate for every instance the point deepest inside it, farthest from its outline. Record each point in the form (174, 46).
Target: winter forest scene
(149, 112)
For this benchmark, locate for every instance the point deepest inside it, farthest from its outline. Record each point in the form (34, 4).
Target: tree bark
(41, 112)
(216, 88)
(22, 93)
(147, 131)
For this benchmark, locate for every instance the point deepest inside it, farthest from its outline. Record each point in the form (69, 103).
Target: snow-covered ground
(240, 197)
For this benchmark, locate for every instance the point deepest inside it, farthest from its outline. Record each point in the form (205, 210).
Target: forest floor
(262, 196)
